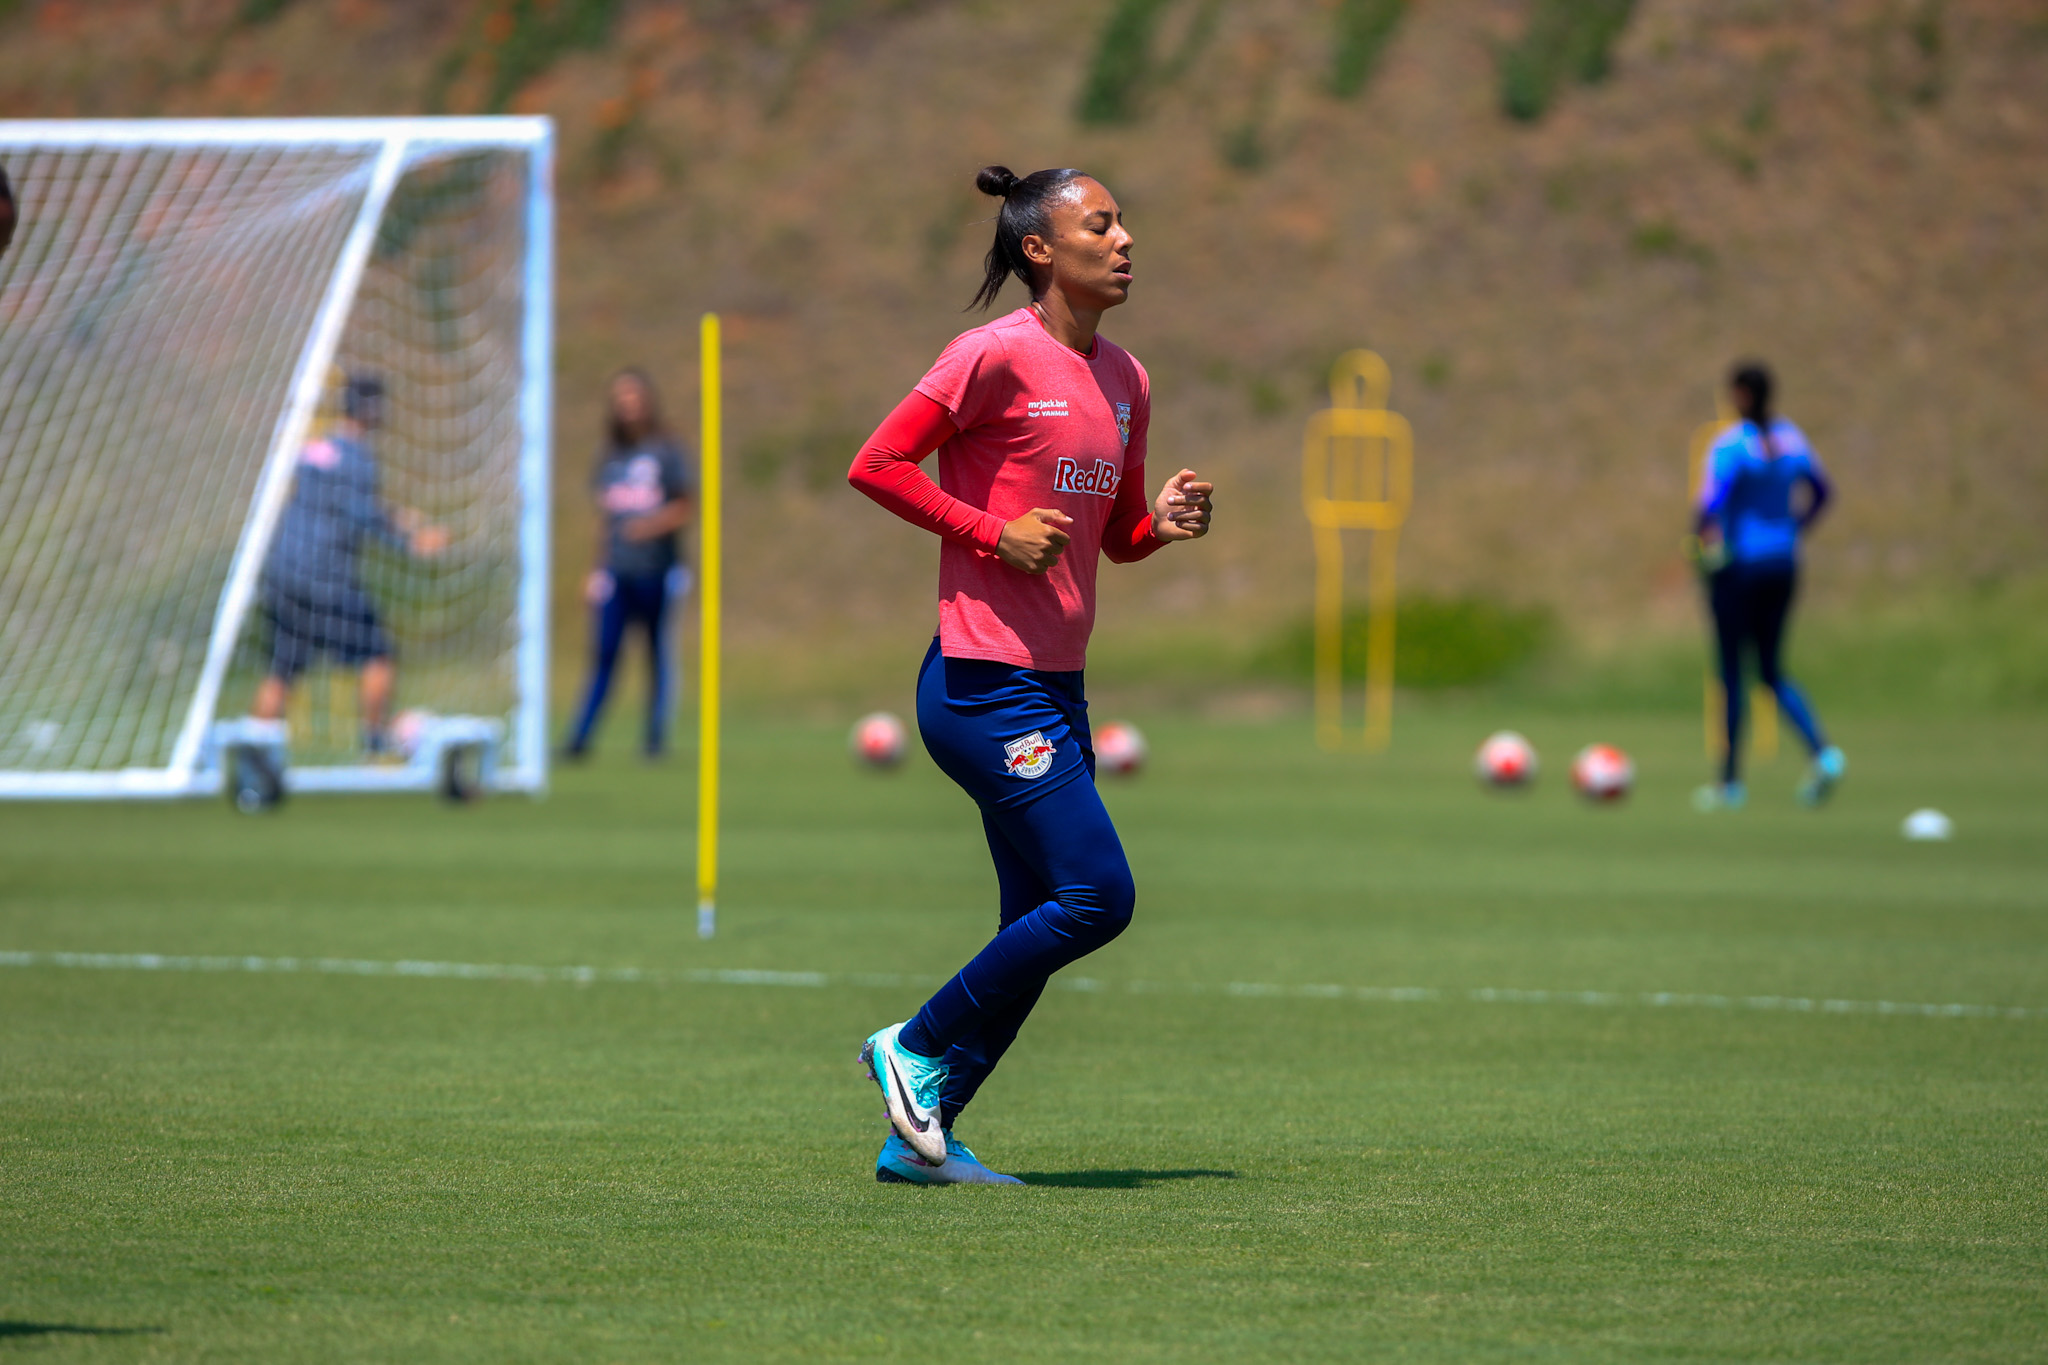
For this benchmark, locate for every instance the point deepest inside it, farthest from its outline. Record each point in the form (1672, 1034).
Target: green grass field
(233, 1165)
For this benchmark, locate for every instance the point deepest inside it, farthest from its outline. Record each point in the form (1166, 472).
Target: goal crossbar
(479, 131)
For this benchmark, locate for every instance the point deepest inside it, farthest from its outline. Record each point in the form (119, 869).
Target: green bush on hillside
(1438, 642)
(1565, 40)
(1122, 65)
(1364, 28)
(536, 34)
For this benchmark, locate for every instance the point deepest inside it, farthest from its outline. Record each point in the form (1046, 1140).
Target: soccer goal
(190, 316)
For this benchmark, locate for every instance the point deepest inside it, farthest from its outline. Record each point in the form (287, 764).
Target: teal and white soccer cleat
(910, 1091)
(1828, 766)
(964, 1167)
(899, 1165)
(1719, 796)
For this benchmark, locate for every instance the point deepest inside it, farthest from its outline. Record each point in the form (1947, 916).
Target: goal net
(234, 349)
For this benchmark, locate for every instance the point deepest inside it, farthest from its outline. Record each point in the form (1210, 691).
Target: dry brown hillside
(1855, 189)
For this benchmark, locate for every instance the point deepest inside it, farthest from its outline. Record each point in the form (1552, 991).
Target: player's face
(1089, 250)
(629, 402)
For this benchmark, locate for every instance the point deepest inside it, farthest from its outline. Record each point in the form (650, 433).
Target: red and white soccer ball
(878, 740)
(1602, 772)
(1505, 760)
(1119, 748)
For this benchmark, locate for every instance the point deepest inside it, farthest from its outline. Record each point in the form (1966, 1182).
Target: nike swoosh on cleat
(909, 1104)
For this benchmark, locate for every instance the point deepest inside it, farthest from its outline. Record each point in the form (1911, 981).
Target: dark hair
(7, 212)
(1023, 214)
(616, 436)
(1753, 377)
(362, 392)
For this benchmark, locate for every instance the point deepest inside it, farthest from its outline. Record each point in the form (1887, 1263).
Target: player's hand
(597, 587)
(655, 525)
(1181, 512)
(429, 541)
(1710, 550)
(1033, 542)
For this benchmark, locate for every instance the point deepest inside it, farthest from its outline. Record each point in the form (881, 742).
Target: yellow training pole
(1379, 640)
(1695, 475)
(710, 517)
(1763, 715)
(1329, 627)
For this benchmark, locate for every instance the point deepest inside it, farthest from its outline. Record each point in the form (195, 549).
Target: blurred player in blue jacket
(312, 581)
(1750, 516)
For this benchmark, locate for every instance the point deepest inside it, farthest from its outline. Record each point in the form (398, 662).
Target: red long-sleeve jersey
(1019, 421)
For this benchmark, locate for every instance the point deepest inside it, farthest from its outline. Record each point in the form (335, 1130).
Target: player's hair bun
(1023, 214)
(996, 180)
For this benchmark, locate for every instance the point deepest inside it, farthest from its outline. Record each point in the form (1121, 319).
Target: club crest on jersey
(1030, 756)
(1123, 422)
(1100, 478)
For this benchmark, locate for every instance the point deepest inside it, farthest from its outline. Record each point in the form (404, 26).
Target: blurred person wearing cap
(312, 580)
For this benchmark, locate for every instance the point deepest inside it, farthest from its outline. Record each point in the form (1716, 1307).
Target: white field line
(737, 976)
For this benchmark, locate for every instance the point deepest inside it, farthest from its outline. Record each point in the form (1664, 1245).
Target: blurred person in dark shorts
(312, 589)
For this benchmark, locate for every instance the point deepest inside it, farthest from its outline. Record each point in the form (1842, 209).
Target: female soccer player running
(1039, 424)
(1749, 533)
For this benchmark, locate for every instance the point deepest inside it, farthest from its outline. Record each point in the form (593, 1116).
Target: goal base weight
(249, 760)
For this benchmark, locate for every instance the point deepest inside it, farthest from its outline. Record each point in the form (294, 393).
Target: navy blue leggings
(634, 601)
(1065, 886)
(1751, 602)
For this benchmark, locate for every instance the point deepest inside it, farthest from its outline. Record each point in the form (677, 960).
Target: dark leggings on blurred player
(641, 601)
(1751, 602)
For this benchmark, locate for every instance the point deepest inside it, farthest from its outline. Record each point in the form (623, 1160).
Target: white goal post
(183, 309)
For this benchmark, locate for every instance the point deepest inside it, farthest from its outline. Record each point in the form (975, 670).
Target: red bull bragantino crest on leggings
(1040, 425)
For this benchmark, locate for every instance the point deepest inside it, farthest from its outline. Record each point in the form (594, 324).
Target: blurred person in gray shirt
(644, 496)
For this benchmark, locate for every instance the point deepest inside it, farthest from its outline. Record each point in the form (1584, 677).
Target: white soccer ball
(1928, 826)
(1505, 760)
(409, 730)
(1602, 772)
(878, 740)
(1119, 748)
